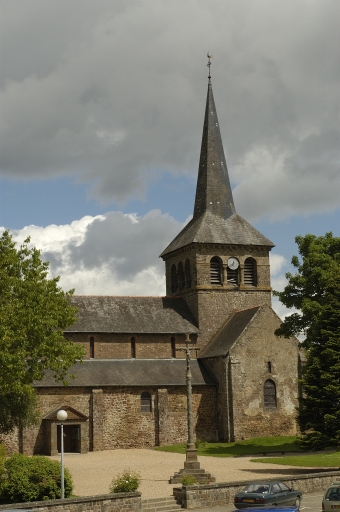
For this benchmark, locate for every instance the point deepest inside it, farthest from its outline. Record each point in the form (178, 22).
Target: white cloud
(114, 254)
(117, 254)
(277, 263)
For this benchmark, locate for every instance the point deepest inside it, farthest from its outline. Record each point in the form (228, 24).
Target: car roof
(293, 508)
(266, 482)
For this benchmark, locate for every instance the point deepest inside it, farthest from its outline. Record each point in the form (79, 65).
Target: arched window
(91, 347)
(187, 274)
(215, 271)
(145, 402)
(269, 393)
(180, 276)
(133, 348)
(173, 347)
(250, 272)
(173, 279)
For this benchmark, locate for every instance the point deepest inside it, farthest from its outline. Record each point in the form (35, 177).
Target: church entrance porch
(71, 438)
(75, 432)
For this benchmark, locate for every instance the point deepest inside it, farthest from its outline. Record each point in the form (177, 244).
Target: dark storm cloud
(114, 93)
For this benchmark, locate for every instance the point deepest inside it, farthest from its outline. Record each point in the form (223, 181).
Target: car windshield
(258, 488)
(333, 494)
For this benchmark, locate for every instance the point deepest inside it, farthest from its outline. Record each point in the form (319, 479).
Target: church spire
(215, 220)
(213, 192)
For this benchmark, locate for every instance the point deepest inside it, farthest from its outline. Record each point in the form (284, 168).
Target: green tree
(320, 406)
(314, 291)
(34, 311)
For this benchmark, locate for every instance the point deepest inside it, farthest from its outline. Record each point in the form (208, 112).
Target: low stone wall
(120, 502)
(210, 495)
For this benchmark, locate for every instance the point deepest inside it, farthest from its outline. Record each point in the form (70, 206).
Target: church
(130, 391)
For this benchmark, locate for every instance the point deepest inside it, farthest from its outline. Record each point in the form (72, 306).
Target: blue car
(267, 493)
(272, 509)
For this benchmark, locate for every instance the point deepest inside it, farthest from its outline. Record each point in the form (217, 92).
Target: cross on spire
(209, 64)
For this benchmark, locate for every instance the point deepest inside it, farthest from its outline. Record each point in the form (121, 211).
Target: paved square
(93, 472)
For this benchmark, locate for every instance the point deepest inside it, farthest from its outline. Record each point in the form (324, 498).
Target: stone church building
(130, 391)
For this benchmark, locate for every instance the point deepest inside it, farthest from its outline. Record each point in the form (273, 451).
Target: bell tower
(218, 263)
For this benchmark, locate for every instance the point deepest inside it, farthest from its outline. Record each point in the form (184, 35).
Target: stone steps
(168, 504)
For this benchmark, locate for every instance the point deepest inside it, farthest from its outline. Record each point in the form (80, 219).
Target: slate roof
(133, 372)
(211, 228)
(168, 315)
(215, 219)
(229, 333)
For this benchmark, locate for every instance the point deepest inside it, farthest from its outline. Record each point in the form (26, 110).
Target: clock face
(233, 263)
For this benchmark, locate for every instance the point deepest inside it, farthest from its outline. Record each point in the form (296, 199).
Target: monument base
(192, 467)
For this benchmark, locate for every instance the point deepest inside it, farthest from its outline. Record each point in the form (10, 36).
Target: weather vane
(209, 64)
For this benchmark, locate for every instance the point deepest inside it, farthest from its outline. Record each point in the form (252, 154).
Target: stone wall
(241, 375)
(219, 494)
(118, 346)
(115, 419)
(120, 502)
(249, 369)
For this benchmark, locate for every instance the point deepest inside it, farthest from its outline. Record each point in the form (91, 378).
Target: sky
(102, 107)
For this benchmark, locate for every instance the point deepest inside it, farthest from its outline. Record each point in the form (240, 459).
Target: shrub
(3, 455)
(188, 480)
(199, 443)
(128, 481)
(34, 478)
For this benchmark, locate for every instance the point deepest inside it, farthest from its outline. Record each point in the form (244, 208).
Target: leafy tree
(34, 311)
(315, 292)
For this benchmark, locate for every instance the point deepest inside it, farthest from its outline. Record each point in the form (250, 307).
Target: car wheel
(297, 503)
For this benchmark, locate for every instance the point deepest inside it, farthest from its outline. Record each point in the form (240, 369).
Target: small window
(269, 394)
(173, 279)
(173, 347)
(269, 366)
(180, 276)
(133, 348)
(187, 274)
(250, 272)
(215, 271)
(145, 402)
(91, 347)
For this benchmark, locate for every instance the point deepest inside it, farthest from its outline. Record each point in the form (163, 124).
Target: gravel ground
(92, 472)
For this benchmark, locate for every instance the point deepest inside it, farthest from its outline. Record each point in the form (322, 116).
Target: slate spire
(215, 220)
(213, 192)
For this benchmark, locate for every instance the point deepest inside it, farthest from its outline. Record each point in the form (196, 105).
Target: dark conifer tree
(319, 411)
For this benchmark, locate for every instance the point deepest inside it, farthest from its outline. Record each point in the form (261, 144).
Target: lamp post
(62, 416)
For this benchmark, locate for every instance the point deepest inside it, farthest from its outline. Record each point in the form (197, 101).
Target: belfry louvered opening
(173, 279)
(180, 276)
(187, 274)
(250, 272)
(232, 276)
(215, 271)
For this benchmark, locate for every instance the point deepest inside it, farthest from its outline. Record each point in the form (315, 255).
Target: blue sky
(102, 111)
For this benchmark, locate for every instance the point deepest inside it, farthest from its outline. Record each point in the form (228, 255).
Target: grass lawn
(247, 447)
(318, 460)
